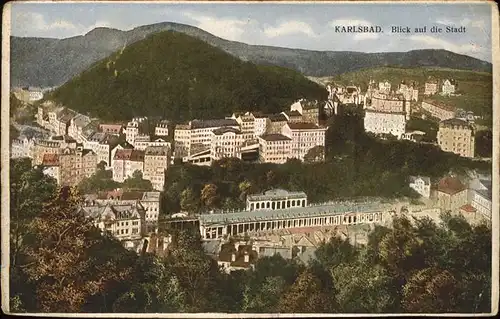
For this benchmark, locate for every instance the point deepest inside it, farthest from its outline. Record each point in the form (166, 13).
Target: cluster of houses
(275, 137)
(448, 87)
(471, 196)
(387, 111)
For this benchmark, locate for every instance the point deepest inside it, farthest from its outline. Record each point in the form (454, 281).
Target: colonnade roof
(276, 194)
(292, 212)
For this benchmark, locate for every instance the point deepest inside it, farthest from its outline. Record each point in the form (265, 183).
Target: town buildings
(226, 142)
(75, 165)
(276, 123)
(456, 136)
(125, 162)
(438, 110)
(393, 103)
(308, 109)
(76, 126)
(275, 199)
(125, 222)
(161, 128)
(131, 132)
(422, 185)
(260, 124)
(274, 148)
(22, 147)
(112, 129)
(156, 160)
(246, 121)
(218, 225)
(481, 191)
(304, 136)
(448, 87)
(384, 87)
(292, 116)
(451, 193)
(149, 201)
(198, 132)
(50, 167)
(431, 87)
(380, 122)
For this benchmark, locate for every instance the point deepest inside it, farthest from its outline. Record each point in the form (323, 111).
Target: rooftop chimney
(233, 257)
(246, 257)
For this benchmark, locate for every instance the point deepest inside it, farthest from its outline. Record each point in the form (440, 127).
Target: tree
(335, 252)
(189, 202)
(305, 295)
(64, 273)
(431, 290)
(367, 288)
(265, 298)
(209, 196)
(136, 182)
(197, 273)
(315, 154)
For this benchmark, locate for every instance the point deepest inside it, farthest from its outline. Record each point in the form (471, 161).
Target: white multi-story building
(384, 87)
(385, 122)
(431, 87)
(421, 184)
(126, 162)
(246, 122)
(448, 87)
(161, 128)
(150, 201)
(22, 147)
(76, 126)
(125, 222)
(274, 148)
(304, 136)
(226, 142)
(261, 122)
(439, 110)
(131, 131)
(198, 132)
(141, 141)
(482, 197)
(156, 159)
(456, 136)
(99, 143)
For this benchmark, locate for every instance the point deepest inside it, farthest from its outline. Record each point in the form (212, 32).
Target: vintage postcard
(250, 159)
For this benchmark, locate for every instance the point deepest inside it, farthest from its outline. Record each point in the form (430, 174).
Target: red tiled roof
(124, 154)
(50, 159)
(450, 185)
(468, 208)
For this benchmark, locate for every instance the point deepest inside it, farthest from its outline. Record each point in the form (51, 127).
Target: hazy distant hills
(50, 62)
(179, 77)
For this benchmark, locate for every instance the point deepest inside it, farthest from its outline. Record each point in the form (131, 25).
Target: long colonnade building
(218, 225)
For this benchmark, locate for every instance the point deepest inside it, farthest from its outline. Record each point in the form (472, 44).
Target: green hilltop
(179, 77)
(475, 88)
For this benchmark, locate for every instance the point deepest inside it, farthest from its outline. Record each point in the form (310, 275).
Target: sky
(294, 25)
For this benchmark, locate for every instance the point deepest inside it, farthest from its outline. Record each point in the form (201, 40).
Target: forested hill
(51, 62)
(179, 77)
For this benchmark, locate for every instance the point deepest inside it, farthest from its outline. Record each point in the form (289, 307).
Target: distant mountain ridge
(50, 62)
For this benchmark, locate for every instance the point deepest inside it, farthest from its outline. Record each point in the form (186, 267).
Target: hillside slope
(54, 61)
(475, 88)
(179, 77)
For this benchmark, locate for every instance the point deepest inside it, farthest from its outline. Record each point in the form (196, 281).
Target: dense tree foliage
(101, 180)
(137, 182)
(63, 263)
(179, 77)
